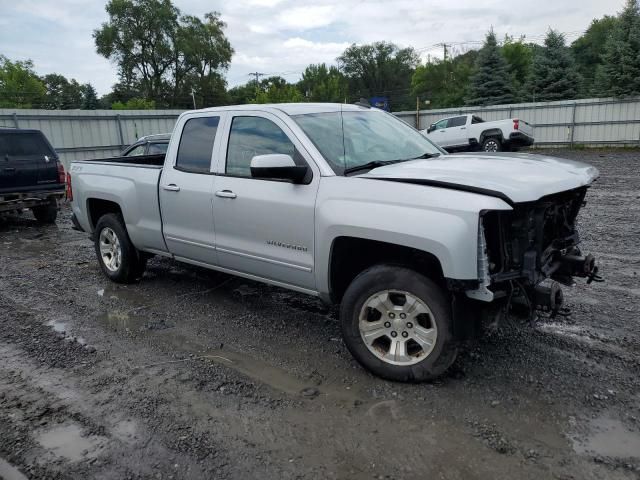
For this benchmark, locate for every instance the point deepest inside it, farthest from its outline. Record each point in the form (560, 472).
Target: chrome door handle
(225, 194)
(172, 187)
(463, 128)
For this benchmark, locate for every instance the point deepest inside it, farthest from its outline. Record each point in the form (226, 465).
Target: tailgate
(525, 128)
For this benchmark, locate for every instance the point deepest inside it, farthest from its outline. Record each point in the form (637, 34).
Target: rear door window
(457, 122)
(196, 144)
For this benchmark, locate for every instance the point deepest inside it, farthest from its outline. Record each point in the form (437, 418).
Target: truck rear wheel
(398, 324)
(491, 144)
(118, 258)
(46, 213)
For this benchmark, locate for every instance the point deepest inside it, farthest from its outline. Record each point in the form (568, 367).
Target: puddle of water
(58, 327)
(126, 321)
(68, 442)
(239, 361)
(610, 438)
(9, 472)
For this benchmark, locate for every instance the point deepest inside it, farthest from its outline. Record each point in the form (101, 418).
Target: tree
(89, 97)
(553, 72)
(322, 84)
(444, 83)
(619, 73)
(588, 49)
(380, 69)
(277, 90)
(519, 56)
(243, 94)
(159, 52)
(134, 104)
(491, 84)
(62, 94)
(20, 87)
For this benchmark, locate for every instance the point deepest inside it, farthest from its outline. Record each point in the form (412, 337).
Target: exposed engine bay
(534, 242)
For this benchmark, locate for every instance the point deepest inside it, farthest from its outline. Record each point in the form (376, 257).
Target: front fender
(441, 222)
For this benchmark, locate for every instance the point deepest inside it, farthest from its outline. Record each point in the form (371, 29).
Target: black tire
(132, 264)
(491, 144)
(46, 213)
(389, 277)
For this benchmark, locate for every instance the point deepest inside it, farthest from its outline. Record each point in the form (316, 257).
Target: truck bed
(135, 161)
(130, 181)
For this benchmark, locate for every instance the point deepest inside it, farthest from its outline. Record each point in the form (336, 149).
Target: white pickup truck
(352, 205)
(470, 132)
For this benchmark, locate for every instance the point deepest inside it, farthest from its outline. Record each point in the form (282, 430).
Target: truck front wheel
(118, 258)
(398, 324)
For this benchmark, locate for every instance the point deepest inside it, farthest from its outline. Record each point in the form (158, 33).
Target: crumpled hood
(519, 176)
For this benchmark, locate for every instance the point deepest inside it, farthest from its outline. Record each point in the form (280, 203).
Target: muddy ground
(194, 374)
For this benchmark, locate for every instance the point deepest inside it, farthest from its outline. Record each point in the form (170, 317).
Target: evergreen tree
(553, 73)
(89, 97)
(491, 84)
(619, 73)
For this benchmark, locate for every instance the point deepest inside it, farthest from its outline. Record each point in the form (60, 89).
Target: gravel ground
(194, 374)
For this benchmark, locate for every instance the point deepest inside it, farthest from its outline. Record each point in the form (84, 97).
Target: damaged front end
(533, 242)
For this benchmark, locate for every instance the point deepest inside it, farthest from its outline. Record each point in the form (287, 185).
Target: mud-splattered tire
(46, 213)
(398, 324)
(117, 257)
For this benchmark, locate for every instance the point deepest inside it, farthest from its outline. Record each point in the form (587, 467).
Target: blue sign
(380, 102)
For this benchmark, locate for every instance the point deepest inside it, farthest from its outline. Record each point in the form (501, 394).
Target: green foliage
(20, 87)
(519, 56)
(444, 84)
(380, 68)
(588, 49)
(322, 84)
(161, 54)
(134, 104)
(553, 72)
(89, 98)
(243, 94)
(492, 83)
(277, 90)
(62, 94)
(619, 73)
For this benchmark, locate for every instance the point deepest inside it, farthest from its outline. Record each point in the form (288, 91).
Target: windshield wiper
(382, 163)
(370, 165)
(426, 155)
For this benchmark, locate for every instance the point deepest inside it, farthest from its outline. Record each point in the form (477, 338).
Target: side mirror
(431, 128)
(277, 166)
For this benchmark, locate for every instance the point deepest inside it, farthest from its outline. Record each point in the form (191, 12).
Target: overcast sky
(283, 36)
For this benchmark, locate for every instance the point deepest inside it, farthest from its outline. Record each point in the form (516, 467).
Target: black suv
(31, 175)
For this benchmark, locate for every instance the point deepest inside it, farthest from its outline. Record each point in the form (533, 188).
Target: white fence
(78, 134)
(591, 122)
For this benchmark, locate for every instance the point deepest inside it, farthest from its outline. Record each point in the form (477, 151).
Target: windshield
(349, 139)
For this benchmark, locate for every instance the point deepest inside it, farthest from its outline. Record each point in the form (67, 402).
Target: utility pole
(193, 97)
(257, 75)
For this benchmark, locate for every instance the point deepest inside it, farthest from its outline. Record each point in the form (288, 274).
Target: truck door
(440, 134)
(186, 191)
(264, 227)
(457, 131)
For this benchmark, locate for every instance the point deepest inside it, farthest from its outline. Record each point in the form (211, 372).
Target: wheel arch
(349, 256)
(97, 207)
(492, 132)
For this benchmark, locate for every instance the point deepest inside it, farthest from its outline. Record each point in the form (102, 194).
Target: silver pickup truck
(352, 205)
